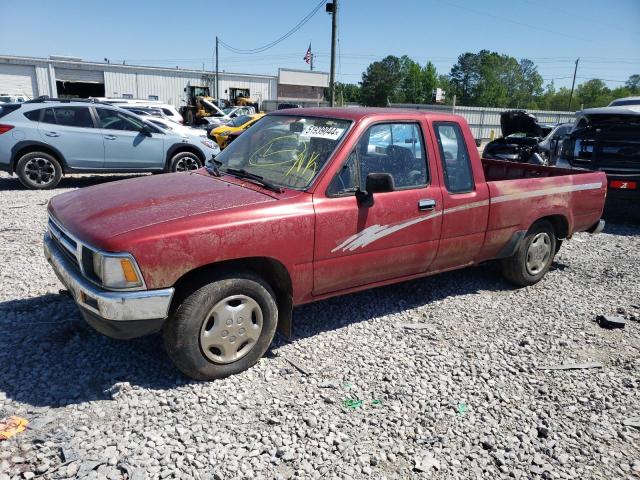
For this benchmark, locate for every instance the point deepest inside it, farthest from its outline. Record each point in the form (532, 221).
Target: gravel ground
(461, 395)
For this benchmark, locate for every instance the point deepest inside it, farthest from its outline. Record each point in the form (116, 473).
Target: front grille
(67, 244)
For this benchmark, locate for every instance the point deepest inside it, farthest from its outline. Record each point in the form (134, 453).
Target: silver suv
(42, 139)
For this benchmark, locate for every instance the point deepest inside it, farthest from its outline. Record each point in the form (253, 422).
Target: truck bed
(521, 193)
(495, 170)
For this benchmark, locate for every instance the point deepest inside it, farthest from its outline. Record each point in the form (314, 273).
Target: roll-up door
(18, 80)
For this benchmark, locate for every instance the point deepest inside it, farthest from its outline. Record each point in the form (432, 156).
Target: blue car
(42, 139)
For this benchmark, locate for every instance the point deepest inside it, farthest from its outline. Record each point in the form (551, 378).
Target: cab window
(394, 148)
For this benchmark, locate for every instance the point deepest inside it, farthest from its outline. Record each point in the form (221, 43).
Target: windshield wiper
(213, 170)
(242, 173)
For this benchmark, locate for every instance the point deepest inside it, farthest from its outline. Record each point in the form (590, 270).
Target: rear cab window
(456, 164)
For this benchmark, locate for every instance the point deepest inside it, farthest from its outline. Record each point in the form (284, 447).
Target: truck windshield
(287, 151)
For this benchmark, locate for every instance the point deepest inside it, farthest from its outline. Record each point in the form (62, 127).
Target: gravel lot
(462, 396)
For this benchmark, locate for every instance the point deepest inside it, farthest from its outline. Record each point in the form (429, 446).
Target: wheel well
(560, 225)
(37, 148)
(184, 148)
(270, 270)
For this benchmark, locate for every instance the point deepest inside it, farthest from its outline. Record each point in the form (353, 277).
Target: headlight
(207, 143)
(225, 133)
(116, 270)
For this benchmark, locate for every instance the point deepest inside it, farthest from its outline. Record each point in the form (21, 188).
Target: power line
(297, 27)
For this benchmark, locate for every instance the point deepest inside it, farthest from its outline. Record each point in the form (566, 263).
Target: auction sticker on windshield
(317, 131)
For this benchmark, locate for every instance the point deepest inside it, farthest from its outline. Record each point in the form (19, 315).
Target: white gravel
(462, 396)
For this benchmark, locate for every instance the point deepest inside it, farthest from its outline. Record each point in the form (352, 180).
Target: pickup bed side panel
(281, 231)
(517, 204)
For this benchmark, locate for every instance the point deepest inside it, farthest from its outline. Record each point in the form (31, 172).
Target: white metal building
(72, 77)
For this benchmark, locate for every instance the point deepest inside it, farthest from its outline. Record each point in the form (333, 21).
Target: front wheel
(222, 328)
(534, 256)
(184, 161)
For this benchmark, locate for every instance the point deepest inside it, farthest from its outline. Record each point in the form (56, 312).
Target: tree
(633, 83)
(381, 82)
(465, 76)
(429, 81)
(348, 92)
(491, 79)
(593, 93)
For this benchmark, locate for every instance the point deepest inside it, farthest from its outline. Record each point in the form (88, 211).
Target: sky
(552, 33)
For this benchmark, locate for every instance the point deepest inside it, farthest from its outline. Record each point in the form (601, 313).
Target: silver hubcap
(538, 253)
(40, 171)
(187, 163)
(231, 329)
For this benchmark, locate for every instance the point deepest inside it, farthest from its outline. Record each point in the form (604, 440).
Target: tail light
(5, 128)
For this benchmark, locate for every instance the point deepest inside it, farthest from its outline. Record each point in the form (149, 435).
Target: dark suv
(607, 139)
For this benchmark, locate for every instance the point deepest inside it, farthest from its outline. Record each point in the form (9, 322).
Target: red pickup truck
(307, 204)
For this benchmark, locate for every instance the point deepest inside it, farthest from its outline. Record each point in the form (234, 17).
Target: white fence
(485, 121)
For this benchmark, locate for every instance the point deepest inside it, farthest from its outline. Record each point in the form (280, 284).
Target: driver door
(126, 147)
(394, 237)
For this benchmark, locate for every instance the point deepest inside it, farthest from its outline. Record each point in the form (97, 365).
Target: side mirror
(375, 183)
(478, 142)
(146, 131)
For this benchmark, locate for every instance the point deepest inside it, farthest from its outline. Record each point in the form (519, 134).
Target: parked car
(226, 115)
(167, 124)
(238, 124)
(548, 147)
(299, 209)
(606, 139)
(629, 102)
(521, 134)
(4, 98)
(41, 140)
(168, 110)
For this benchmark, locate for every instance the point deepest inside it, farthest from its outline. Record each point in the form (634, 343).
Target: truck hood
(104, 211)
(519, 121)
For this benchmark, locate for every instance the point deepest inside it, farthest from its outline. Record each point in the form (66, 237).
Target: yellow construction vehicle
(200, 104)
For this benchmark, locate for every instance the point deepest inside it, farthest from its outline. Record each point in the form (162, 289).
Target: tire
(184, 161)
(39, 171)
(534, 256)
(199, 338)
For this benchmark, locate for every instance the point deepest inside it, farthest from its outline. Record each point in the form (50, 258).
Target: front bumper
(126, 314)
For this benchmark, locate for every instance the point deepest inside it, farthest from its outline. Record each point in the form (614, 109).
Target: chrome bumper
(107, 305)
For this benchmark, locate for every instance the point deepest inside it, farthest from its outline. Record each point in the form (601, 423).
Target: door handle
(52, 134)
(426, 204)
(109, 137)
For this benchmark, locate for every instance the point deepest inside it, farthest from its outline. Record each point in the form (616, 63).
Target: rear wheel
(534, 256)
(184, 161)
(39, 171)
(222, 328)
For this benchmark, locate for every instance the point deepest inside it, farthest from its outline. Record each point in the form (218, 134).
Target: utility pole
(332, 8)
(217, 76)
(573, 84)
(311, 62)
